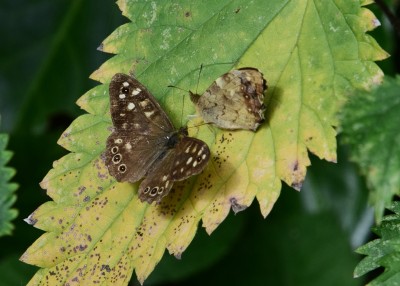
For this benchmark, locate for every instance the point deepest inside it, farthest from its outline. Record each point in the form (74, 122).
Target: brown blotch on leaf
(296, 166)
(81, 189)
(105, 267)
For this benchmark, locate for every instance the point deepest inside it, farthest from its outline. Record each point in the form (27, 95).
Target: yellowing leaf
(312, 54)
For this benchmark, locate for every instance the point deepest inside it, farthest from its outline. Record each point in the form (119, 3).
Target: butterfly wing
(141, 129)
(129, 158)
(188, 158)
(134, 109)
(234, 101)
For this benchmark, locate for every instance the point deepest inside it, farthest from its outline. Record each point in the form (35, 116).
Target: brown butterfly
(235, 100)
(144, 143)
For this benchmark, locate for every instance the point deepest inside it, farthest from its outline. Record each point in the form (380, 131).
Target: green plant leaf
(370, 127)
(7, 189)
(383, 252)
(312, 53)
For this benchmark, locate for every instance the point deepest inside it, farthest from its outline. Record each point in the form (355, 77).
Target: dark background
(48, 50)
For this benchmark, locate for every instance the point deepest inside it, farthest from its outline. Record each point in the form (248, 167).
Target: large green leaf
(7, 189)
(371, 127)
(312, 53)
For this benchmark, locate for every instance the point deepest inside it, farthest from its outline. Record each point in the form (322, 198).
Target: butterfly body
(145, 144)
(234, 101)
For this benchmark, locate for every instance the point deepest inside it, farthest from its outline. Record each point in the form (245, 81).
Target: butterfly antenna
(183, 106)
(183, 101)
(198, 78)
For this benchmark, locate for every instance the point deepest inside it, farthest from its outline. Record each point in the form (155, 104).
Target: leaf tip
(297, 185)
(178, 255)
(236, 207)
(30, 220)
(376, 23)
(100, 47)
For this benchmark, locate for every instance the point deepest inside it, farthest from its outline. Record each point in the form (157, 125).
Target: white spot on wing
(128, 146)
(189, 160)
(125, 83)
(144, 103)
(136, 91)
(122, 96)
(220, 81)
(131, 106)
(118, 141)
(149, 113)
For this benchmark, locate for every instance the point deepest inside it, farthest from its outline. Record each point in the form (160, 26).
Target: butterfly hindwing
(128, 158)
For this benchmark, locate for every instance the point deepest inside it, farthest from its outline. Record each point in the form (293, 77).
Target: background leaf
(383, 252)
(7, 189)
(370, 127)
(91, 219)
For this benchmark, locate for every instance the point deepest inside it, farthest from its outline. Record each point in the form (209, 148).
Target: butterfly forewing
(134, 109)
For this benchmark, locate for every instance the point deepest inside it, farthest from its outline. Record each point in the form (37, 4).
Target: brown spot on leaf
(105, 267)
(81, 189)
(296, 166)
